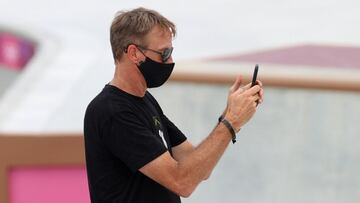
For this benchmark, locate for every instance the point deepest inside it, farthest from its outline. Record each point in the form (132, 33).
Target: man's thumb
(237, 83)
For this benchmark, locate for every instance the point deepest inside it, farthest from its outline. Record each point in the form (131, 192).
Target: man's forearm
(199, 164)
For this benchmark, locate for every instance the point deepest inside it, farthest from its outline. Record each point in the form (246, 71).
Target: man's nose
(170, 60)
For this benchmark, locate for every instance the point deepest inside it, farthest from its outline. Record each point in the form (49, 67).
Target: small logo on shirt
(157, 122)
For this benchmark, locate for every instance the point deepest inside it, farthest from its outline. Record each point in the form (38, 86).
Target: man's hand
(242, 102)
(237, 85)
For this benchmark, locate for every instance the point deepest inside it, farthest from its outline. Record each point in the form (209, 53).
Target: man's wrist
(233, 121)
(229, 126)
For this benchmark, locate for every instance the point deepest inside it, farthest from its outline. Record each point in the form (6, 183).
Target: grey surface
(301, 146)
(7, 77)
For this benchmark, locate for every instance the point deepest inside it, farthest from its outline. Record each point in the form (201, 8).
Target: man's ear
(133, 54)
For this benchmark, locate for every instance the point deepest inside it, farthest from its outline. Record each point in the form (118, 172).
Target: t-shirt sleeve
(132, 142)
(175, 135)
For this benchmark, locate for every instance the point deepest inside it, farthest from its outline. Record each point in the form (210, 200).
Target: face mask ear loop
(141, 51)
(141, 62)
(126, 48)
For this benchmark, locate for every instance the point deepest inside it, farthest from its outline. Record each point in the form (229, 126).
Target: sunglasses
(165, 54)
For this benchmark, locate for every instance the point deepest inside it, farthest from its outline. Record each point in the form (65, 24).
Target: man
(134, 153)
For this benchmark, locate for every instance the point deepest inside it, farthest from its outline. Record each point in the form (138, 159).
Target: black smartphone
(253, 82)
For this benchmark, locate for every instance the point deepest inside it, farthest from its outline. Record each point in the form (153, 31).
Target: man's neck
(129, 80)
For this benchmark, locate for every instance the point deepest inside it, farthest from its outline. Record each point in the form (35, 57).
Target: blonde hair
(132, 27)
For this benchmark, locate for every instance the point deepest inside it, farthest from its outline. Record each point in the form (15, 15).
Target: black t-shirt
(122, 134)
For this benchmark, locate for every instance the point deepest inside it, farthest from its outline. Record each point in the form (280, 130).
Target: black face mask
(155, 73)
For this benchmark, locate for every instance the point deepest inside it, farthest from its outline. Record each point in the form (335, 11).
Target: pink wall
(48, 184)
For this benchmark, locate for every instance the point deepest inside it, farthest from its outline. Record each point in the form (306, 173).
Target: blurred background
(302, 145)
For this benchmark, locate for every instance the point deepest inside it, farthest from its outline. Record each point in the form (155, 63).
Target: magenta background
(48, 184)
(23, 51)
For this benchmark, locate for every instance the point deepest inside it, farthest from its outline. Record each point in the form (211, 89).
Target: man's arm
(182, 150)
(183, 176)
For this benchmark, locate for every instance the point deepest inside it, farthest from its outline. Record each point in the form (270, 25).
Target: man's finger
(256, 97)
(261, 93)
(254, 90)
(237, 83)
(243, 88)
(248, 86)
